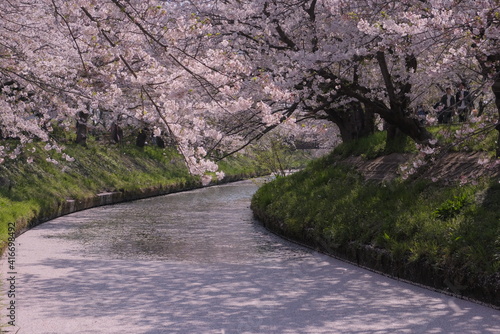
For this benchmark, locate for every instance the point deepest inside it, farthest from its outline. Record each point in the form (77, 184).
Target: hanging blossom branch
(73, 37)
(167, 124)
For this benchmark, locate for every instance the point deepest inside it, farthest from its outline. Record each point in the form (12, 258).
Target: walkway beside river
(196, 262)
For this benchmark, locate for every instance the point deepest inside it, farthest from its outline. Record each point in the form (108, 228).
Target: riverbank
(41, 185)
(34, 192)
(444, 236)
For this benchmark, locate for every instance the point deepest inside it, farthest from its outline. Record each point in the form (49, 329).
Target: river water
(197, 262)
(210, 225)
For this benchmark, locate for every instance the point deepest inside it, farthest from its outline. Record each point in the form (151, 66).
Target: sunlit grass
(453, 137)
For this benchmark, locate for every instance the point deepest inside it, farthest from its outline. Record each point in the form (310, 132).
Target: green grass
(96, 168)
(240, 165)
(375, 145)
(457, 226)
(480, 140)
(260, 161)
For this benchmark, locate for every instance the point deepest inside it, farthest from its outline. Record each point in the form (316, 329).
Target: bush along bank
(53, 183)
(444, 237)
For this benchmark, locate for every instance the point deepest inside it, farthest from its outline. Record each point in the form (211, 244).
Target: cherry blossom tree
(475, 25)
(214, 76)
(139, 59)
(326, 54)
(345, 60)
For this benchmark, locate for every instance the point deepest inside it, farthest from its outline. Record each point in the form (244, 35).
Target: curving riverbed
(197, 262)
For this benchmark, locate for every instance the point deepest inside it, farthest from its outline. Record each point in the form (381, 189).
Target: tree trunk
(369, 122)
(485, 62)
(159, 142)
(399, 102)
(353, 121)
(141, 138)
(396, 139)
(81, 128)
(116, 133)
(407, 125)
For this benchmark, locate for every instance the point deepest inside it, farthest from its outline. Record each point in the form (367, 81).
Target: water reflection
(207, 225)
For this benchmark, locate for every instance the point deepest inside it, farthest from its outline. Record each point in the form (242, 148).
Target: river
(197, 262)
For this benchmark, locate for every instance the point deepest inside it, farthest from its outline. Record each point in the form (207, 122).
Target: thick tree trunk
(369, 122)
(349, 129)
(354, 122)
(485, 62)
(81, 128)
(407, 125)
(415, 130)
(159, 142)
(399, 102)
(116, 133)
(396, 139)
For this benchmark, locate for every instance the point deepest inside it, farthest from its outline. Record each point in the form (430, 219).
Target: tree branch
(72, 36)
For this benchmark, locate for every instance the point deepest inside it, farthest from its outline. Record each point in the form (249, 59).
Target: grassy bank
(446, 237)
(32, 190)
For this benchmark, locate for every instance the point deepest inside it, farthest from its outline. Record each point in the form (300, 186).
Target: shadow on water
(301, 296)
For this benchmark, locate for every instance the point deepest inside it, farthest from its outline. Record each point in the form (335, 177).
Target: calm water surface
(208, 225)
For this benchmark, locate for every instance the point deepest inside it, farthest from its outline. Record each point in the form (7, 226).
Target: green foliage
(265, 160)
(452, 207)
(373, 146)
(370, 147)
(277, 157)
(479, 140)
(241, 165)
(454, 226)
